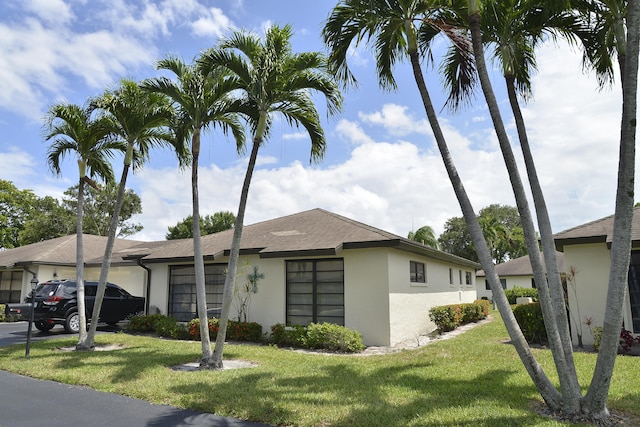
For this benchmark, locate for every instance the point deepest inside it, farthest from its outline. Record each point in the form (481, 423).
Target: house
(587, 249)
(513, 273)
(313, 266)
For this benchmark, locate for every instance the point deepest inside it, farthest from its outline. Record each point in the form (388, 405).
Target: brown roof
(521, 266)
(310, 233)
(62, 251)
(598, 231)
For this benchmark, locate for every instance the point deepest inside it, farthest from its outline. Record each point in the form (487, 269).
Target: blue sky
(381, 165)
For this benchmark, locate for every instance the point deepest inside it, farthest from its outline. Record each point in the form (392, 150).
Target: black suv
(56, 304)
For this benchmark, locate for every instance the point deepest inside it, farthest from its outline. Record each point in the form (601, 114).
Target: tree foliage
(16, 207)
(424, 235)
(209, 224)
(501, 227)
(50, 218)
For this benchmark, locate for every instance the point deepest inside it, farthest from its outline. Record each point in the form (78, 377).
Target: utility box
(524, 300)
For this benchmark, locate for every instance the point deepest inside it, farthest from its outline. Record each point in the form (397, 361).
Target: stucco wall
(130, 278)
(512, 282)
(592, 262)
(410, 302)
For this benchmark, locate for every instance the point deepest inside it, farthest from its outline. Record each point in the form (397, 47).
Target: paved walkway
(27, 402)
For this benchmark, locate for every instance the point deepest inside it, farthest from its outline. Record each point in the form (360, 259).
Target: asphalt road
(27, 402)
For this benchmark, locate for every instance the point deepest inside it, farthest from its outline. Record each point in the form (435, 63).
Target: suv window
(90, 291)
(112, 293)
(46, 289)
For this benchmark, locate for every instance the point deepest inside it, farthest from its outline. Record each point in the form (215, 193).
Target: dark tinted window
(46, 289)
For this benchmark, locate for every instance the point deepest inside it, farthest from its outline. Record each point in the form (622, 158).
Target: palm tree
(554, 309)
(272, 80)
(75, 132)
(140, 120)
(424, 235)
(202, 100)
(606, 40)
(390, 26)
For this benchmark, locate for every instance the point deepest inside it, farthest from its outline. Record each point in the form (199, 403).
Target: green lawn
(470, 380)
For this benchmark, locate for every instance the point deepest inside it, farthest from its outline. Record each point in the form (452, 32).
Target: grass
(471, 380)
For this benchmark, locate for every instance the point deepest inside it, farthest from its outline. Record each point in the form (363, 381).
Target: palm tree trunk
(566, 371)
(596, 397)
(547, 390)
(232, 268)
(82, 311)
(108, 254)
(552, 292)
(198, 259)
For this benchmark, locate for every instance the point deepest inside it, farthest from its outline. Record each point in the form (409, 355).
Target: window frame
(415, 275)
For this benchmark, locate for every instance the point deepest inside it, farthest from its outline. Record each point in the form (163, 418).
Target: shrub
(513, 294)
(529, 317)
(446, 317)
(193, 328)
(244, 331)
(3, 318)
(597, 336)
(167, 326)
(238, 331)
(329, 336)
(449, 317)
(292, 336)
(145, 323)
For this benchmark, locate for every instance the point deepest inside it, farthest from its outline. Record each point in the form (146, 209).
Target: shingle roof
(521, 266)
(598, 231)
(62, 250)
(310, 233)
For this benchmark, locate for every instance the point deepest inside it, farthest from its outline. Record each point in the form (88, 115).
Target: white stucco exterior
(592, 262)
(511, 281)
(380, 301)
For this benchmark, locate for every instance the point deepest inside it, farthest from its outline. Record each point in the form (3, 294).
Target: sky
(381, 166)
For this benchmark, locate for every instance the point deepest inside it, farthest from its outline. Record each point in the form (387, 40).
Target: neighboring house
(587, 249)
(313, 266)
(514, 273)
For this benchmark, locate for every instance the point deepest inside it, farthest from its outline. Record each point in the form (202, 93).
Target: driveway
(27, 402)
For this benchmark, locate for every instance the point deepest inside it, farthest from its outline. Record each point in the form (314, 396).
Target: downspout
(147, 293)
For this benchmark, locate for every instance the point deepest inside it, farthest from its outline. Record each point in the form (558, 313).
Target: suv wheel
(72, 323)
(43, 326)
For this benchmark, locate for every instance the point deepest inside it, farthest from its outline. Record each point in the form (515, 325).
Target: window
(451, 276)
(533, 283)
(459, 277)
(182, 289)
(315, 292)
(417, 272)
(10, 286)
(503, 282)
(467, 278)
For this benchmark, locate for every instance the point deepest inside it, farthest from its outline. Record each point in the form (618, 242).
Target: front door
(634, 291)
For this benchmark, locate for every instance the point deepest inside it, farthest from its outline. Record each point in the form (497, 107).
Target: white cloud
(395, 119)
(213, 23)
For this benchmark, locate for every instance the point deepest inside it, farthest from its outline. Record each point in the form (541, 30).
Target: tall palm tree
(394, 28)
(202, 100)
(555, 315)
(513, 28)
(140, 120)
(75, 131)
(615, 27)
(272, 80)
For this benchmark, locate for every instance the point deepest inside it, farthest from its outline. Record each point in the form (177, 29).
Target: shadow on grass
(399, 395)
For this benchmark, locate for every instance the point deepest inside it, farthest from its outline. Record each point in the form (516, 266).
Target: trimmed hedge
(529, 317)
(449, 317)
(237, 331)
(517, 292)
(325, 336)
